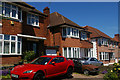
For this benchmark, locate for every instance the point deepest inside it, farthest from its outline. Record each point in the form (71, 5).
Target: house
(66, 38)
(105, 48)
(117, 38)
(23, 28)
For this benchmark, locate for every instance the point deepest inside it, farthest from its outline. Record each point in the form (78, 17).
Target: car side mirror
(53, 63)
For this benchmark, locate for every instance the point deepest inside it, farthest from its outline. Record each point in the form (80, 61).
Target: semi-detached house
(22, 29)
(105, 48)
(71, 40)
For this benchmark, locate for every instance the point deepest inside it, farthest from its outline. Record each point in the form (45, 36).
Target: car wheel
(69, 72)
(86, 72)
(38, 76)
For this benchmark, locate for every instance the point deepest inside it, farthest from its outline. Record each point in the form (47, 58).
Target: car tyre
(69, 72)
(86, 72)
(38, 76)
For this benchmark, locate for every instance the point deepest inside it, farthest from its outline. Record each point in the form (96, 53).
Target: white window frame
(72, 55)
(83, 34)
(16, 45)
(11, 12)
(71, 32)
(34, 24)
(105, 55)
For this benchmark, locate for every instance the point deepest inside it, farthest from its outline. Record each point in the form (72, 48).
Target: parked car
(91, 60)
(84, 67)
(43, 67)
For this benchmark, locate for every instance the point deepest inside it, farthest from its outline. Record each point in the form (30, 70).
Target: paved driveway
(77, 76)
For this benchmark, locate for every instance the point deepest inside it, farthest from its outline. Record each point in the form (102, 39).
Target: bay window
(102, 41)
(104, 55)
(32, 19)
(10, 44)
(70, 32)
(12, 11)
(71, 52)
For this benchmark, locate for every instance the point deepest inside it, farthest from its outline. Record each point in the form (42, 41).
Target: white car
(91, 60)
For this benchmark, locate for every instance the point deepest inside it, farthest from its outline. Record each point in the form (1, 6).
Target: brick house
(22, 29)
(70, 39)
(105, 48)
(117, 38)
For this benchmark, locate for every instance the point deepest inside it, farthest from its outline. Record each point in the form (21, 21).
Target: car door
(53, 69)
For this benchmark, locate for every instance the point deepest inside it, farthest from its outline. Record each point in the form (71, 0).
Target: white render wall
(94, 48)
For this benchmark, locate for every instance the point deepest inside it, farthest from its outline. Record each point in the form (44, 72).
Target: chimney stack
(46, 10)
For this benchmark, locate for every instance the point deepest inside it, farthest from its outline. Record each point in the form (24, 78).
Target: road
(77, 76)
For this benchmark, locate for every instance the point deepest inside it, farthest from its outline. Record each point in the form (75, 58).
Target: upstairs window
(70, 32)
(11, 11)
(102, 41)
(32, 20)
(83, 36)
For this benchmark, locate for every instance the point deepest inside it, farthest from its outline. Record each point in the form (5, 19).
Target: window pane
(75, 32)
(1, 36)
(0, 47)
(13, 38)
(68, 29)
(18, 48)
(19, 39)
(69, 52)
(13, 13)
(37, 22)
(72, 32)
(6, 47)
(7, 5)
(7, 12)
(6, 37)
(64, 31)
(13, 6)
(65, 52)
(19, 13)
(12, 47)
(32, 21)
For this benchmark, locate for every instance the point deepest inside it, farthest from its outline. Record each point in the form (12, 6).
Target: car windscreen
(41, 60)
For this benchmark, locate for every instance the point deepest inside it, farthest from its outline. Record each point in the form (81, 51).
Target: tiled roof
(33, 9)
(58, 19)
(96, 32)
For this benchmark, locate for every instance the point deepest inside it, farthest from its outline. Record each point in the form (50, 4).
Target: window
(70, 32)
(65, 52)
(113, 44)
(104, 55)
(83, 36)
(32, 20)
(72, 52)
(69, 52)
(12, 11)
(102, 41)
(10, 44)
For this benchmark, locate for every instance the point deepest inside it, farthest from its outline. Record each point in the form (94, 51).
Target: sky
(100, 15)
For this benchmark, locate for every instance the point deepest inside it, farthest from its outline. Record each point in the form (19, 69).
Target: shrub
(111, 76)
(7, 76)
(30, 55)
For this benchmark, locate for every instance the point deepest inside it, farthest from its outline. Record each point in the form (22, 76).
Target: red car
(43, 67)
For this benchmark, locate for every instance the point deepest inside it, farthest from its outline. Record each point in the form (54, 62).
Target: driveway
(77, 76)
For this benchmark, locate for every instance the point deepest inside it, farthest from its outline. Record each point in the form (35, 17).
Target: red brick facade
(24, 29)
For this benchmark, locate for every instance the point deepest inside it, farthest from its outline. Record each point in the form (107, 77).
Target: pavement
(76, 76)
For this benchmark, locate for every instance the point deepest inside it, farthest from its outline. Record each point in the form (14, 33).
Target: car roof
(51, 56)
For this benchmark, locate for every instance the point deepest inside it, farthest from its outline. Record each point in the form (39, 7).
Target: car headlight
(28, 71)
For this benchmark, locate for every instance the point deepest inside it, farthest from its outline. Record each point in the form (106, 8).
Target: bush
(111, 76)
(29, 56)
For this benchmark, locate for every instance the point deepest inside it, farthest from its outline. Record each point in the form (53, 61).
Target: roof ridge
(63, 19)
